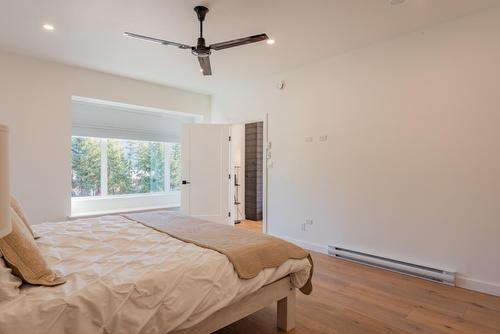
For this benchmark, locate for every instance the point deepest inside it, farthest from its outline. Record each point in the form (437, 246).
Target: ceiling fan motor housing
(201, 50)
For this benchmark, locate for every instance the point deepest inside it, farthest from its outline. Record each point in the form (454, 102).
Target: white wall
(35, 100)
(411, 168)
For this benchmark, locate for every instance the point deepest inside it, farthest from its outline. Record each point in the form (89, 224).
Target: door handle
(185, 182)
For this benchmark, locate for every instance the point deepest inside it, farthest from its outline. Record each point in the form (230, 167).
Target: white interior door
(205, 160)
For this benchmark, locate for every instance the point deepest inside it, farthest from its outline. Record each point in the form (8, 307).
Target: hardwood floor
(349, 299)
(250, 225)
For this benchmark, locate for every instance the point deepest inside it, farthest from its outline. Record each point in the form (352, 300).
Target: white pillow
(9, 284)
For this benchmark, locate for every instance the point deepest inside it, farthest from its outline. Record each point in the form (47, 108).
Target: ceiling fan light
(270, 41)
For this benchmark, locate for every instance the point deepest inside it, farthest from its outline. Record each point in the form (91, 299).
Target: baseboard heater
(431, 274)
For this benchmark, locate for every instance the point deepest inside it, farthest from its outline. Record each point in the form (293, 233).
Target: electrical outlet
(304, 225)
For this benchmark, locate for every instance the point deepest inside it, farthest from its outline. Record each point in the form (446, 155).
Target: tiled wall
(253, 171)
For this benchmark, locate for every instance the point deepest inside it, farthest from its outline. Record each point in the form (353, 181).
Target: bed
(124, 277)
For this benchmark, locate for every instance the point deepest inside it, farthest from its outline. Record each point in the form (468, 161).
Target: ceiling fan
(201, 50)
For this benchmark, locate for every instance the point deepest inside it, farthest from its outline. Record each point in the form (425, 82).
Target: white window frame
(104, 174)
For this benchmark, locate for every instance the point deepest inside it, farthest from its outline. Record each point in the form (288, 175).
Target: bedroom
(380, 144)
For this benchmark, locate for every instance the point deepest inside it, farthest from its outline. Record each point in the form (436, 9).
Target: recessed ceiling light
(270, 41)
(201, 70)
(396, 2)
(48, 27)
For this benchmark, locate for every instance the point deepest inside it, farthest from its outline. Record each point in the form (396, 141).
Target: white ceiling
(89, 33)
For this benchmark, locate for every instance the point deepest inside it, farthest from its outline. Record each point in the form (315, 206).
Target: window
(86, 167)
(174, 157)
(107, 167)
(135, 167)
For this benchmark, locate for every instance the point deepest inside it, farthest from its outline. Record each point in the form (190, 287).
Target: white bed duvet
(123, 277)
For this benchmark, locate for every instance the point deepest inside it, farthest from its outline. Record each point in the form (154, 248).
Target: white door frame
(265, 149)
(264, 170)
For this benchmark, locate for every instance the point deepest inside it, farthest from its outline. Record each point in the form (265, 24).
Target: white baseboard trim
(461, 281)
(306, 244)
(478, 285)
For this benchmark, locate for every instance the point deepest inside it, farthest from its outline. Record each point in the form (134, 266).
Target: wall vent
(431, 274)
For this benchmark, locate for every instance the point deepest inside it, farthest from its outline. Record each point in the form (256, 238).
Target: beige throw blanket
(249, 252)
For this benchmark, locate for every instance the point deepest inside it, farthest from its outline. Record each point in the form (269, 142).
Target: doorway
(248, 164)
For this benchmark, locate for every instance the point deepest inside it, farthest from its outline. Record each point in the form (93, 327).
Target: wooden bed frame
(280, 291)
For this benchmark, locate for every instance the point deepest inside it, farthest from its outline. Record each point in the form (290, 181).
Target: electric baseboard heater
(428, 273)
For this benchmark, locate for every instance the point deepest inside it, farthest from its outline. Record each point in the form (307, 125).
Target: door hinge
(229, 214)
(230, 176)
(229, 138)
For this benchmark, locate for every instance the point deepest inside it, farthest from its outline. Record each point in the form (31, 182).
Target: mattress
(123, 277)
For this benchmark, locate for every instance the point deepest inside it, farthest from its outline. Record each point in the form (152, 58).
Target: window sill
(123, 196)
(104, 205)
(118, 212)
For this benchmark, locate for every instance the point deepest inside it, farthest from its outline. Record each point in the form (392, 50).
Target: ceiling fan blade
(205, 65)
(239, 41)
(156, 40)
